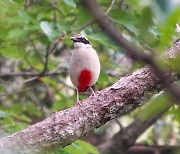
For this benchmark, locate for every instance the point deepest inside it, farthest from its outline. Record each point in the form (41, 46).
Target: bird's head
(80, 41)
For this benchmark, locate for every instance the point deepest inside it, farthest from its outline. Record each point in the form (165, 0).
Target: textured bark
(63, 127)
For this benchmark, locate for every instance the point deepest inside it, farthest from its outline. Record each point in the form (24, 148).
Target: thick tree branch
(63, 127)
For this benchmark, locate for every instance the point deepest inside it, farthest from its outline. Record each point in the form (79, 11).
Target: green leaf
(24, 16)
(6, 5)
(87, 147)
(65, 27)
(22, 117)
(12, 51)
(1, 88)
(49, 30)
(45, 26)
(125, 18)
(61, 151)
(145, 21)
(17, 33)
(83, 16)
(79, 147)
(8, 120)
(3, 114)
(176, 112)
(16, 126)
(103, 78)
(168, 29)
(3, 33)
(102, 38)
(70, 3)
(171, 63)
(16, 108)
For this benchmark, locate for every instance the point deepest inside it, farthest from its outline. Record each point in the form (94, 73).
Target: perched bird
(84, 65)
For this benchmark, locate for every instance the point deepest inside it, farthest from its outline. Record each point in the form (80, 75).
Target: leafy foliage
(32, 28)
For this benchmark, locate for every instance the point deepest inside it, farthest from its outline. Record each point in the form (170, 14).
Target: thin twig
(37, 53)
(110, 8)
(31, 79)
(27, 74)
(46, 61)
(56, 69)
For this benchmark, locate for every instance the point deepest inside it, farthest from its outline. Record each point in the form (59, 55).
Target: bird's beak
(74, 39)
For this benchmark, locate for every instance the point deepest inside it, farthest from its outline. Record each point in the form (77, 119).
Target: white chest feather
(84, 57)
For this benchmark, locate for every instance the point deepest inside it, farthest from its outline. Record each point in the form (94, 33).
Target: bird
(84, 65)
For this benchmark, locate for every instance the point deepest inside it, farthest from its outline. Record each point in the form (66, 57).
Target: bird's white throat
(80, 45)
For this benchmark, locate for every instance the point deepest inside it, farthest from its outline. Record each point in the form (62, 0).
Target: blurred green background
(28, 29)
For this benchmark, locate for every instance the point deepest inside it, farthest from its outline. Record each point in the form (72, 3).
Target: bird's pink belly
(84, 80)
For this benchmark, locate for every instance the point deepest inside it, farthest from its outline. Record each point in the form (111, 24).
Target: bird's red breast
(84, 80)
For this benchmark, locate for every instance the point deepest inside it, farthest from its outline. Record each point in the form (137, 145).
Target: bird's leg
(92, 91)
(77, 96)
(78, 101)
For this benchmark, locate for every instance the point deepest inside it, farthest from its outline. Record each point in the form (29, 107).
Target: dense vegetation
(35, 48)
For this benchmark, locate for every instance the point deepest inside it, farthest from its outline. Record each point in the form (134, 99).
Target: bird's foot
(78, 103)
(92, 91)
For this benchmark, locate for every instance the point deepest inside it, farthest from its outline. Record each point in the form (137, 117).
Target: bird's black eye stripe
(83, 40)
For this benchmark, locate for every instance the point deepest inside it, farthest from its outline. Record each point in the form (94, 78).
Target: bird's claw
(78, 103)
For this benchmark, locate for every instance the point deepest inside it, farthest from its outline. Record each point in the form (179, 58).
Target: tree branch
(27, 74)
(64, 127)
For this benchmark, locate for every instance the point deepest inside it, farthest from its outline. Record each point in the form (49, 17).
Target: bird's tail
(82, 89)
